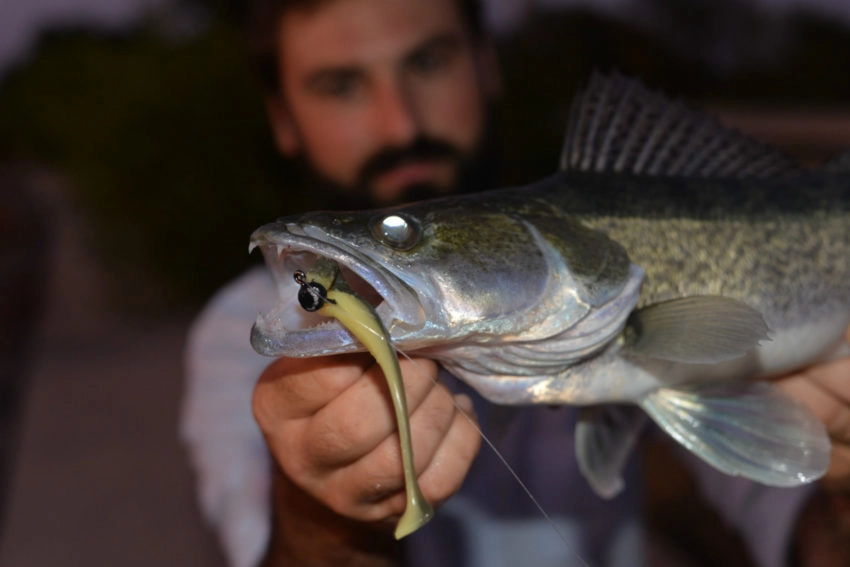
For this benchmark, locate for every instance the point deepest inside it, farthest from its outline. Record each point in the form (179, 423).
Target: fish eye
(396, 231)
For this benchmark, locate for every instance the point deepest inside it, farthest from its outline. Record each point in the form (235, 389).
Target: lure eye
(396, 231)
(312, 295)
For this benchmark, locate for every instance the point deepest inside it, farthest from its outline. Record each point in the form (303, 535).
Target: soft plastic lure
(323, 290)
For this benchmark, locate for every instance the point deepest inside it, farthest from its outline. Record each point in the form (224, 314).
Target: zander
(668, 262)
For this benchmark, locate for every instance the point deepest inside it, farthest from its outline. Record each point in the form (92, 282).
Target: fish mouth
(288, 329)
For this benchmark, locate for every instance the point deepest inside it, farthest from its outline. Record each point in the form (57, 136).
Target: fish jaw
(289, 330)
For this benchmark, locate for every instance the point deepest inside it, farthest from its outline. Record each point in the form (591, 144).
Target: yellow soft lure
(324, 290)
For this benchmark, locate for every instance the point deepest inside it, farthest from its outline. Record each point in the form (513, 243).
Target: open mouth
(290, 330)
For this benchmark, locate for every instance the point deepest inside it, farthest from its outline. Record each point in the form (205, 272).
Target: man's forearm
(307, 534)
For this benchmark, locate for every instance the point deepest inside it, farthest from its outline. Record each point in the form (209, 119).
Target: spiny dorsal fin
(619, 125)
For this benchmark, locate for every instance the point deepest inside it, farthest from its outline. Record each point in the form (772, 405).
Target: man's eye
(342, 88)
(337, 86)
(427, 62)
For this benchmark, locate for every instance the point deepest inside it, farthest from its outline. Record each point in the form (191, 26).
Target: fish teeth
(321, 326)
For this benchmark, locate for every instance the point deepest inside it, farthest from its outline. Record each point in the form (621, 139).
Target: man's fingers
(443, 452)
(292, 388)
(453, 458)
(357, 421)
(332, 428)
(378, 474)
(825, 389)
(837, 477)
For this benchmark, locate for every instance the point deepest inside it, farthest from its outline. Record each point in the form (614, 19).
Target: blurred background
(135, 161)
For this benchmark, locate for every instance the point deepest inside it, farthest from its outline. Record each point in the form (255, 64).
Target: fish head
(467, 269)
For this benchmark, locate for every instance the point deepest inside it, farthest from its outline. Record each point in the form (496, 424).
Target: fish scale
(679, 251)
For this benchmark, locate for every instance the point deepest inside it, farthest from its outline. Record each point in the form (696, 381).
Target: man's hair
(264, 18)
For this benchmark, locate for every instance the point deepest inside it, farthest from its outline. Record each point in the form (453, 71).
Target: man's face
(382, 96)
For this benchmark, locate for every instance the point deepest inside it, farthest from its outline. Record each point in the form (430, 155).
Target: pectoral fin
(704, 329)
(745, 428)
(604, 439)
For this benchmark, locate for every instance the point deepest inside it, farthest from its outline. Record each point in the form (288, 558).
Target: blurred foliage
(166, 145)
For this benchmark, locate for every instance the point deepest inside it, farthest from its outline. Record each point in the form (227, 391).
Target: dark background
(134, 166)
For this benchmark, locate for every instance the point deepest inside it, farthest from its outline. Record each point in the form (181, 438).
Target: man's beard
(475, 172)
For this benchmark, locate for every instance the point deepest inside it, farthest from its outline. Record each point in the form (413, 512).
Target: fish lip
(287, 330)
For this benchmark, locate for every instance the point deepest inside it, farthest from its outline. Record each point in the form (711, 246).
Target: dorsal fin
(619, 125)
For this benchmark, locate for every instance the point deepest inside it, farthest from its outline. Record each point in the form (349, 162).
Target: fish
(666, 270)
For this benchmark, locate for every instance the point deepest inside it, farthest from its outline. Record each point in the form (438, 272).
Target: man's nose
(395, 115)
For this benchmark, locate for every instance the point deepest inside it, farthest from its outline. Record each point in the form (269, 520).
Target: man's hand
(822, 535)
(825, 389)
(330, 427)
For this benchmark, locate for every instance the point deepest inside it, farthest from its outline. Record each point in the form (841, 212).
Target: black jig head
(312, 295)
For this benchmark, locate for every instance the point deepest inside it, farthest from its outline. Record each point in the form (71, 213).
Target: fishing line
(507, 465)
